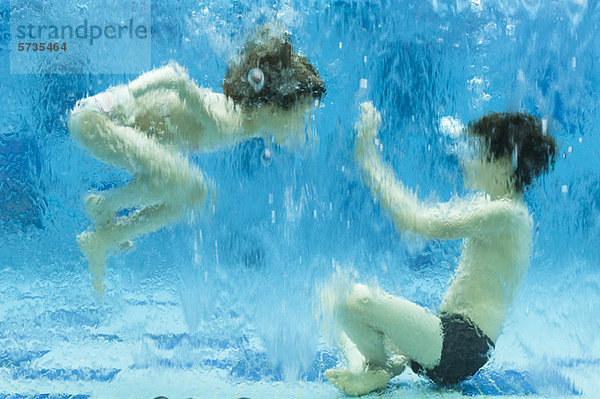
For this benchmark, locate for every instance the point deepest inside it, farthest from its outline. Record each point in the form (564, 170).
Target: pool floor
(38, 361)
(182, 384)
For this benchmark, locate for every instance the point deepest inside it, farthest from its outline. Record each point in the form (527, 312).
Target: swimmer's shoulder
(506, 214)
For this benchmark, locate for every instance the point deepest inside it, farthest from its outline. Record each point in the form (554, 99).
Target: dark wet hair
(288, 76)
(520, 137)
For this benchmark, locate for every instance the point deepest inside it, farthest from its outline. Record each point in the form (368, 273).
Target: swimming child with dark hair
(144, 127)
(496, 229)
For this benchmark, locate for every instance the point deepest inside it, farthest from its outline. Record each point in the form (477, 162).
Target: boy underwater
(144, 126)
(496, 229)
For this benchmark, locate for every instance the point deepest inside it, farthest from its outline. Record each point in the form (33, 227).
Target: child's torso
(489, 271)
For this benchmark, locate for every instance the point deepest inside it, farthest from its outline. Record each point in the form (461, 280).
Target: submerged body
(146, 126)
(142, 128)
(496, 230)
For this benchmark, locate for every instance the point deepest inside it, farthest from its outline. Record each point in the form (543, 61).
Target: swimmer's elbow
(467, 221)
(435, 228)
(429, 222)
(410, 219)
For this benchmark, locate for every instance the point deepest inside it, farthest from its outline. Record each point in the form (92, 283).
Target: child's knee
(198, 190)
(186, 189)
(83, 125)
(360, 299)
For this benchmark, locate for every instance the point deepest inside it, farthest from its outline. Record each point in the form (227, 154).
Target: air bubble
(265, 157)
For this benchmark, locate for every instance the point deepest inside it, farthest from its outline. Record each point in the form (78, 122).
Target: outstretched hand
(367, 128)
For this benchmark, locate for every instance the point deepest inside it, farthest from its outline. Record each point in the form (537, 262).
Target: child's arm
(453, 220)
(169, 77)
(218, 116)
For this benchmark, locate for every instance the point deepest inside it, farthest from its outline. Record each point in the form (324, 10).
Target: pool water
(226, 303)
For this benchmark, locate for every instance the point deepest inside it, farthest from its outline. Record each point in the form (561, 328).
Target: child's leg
(356, 360)
(368, 341)
(367, 369)
(165, 186)
(156, 167)
(415, 331)
(138, 193)
(123, 146)
(95, 245)
(143, 221)
(369, 317)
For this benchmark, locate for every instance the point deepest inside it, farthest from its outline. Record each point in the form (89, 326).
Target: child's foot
(357, 384)
(96, 257)
(396, 364)
(96, 210)
(370, 120)
(86, 242)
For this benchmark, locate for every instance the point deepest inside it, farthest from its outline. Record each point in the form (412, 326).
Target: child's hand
(370, 120)
(367, 129)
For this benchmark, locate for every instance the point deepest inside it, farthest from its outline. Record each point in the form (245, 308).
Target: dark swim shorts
(464, 351)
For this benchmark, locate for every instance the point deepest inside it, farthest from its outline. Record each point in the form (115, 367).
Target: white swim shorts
(103, 102)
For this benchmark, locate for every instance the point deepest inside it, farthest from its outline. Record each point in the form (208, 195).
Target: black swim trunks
(464, 351)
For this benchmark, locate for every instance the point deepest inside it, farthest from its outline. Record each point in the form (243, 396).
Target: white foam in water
(451, 127)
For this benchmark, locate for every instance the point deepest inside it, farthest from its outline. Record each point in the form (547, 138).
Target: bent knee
(190, 191)
(85, 126)
(197, 191)
(201, 190)
(360, 299)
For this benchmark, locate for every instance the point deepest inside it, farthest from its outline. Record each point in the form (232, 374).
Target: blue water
(229, 298)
